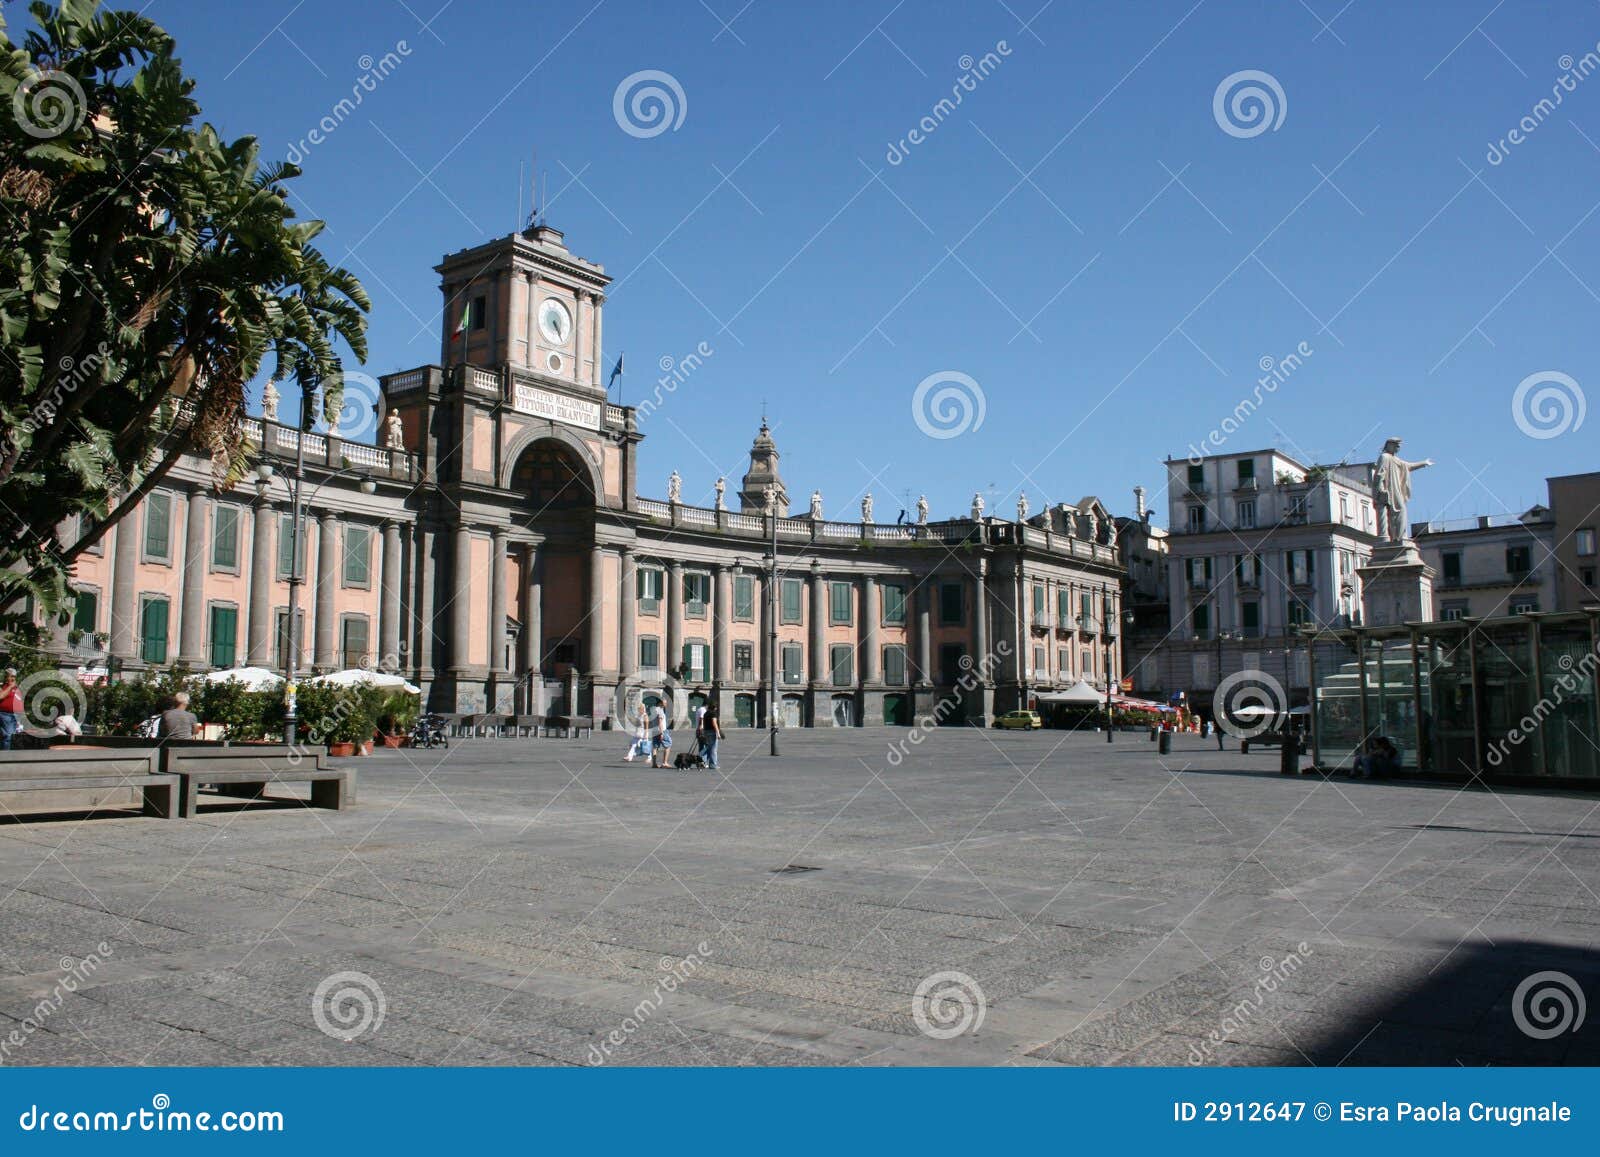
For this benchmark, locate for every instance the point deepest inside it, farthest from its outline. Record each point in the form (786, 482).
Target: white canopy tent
(253, 678)
(1079, 692)
(355, 676)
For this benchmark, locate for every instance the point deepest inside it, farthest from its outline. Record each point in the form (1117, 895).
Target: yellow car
(1025, 720)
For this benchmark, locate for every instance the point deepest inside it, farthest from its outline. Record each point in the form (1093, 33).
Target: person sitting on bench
(177, 721)
(1381, 761)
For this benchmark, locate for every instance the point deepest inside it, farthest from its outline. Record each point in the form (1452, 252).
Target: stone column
(389, 598)
(497, 602)
(867, 650)
(532, 613)
(819, 626)
(426, 607)
(761, 586)
(721, 612)
(674, 647)
(124, 598)
(925, 593)
(461, 599)
(980, 616)
(263, 573)
(627, 627)
(597, 609)
(192, 620)
(326, 657)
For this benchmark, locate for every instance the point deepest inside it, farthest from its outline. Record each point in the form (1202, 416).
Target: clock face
(555, 322)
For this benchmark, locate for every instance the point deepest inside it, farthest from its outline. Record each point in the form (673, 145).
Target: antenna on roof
(521, 176)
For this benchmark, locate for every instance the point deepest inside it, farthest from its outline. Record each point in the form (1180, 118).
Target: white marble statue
(394, 436)
(674, 487)
(769, 496)
(816, 505)
(721, 488)
(1022, 508)
(922, 510)
(269, 402)
(866, 508)
(977, 508)
(1391, 485)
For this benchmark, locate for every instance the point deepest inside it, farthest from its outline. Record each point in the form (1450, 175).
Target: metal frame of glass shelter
(1512, 699)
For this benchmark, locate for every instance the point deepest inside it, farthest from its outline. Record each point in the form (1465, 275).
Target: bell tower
(763, 472)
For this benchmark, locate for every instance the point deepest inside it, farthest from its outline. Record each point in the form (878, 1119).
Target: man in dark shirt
(177, 721)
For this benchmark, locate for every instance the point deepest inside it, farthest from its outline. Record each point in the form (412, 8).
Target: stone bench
(88, 779)
(570, 726)
(245, 771)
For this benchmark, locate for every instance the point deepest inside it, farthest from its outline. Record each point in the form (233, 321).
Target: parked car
(1021, 720)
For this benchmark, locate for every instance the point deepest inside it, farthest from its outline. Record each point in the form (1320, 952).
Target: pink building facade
(494, 548)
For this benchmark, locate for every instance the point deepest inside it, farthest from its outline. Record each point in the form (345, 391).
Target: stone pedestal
(1396, 586)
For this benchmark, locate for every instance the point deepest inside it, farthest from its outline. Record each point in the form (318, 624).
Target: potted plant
(396, 713)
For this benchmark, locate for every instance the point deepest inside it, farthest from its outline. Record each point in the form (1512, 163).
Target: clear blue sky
(829, 282)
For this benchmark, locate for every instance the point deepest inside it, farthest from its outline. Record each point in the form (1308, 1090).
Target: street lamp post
(1108, 635)
(772, 625)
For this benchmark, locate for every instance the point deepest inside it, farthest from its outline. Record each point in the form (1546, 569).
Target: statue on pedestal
(1391, 487)
(769, 498)
(866, 509)
(394, 437)
(922, 510)
(269, 402)
(816, 506)
(1022, 508)
(721, 487)
(674, 488)
(977, 508)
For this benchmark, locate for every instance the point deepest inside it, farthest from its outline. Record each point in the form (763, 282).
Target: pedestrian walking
(710, 736)
(10, 708)
(660, 737)
(640, 744)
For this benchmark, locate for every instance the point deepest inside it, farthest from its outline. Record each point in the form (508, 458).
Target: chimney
(1138, 501)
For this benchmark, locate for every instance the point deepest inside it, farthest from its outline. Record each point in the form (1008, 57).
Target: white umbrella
(1079, 692)
(253, 678)
(355, 676)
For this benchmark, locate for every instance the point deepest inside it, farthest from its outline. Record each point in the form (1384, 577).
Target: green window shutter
(225, 537)
(791, 600)
(840, 662)
(839, 611)
(153, 631)
(224, 635)
(744, 597)
(85, 611)
(894, 603)
(158, 526)
(357, 556)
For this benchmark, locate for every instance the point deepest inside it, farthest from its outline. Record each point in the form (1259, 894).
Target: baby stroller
(428, 731)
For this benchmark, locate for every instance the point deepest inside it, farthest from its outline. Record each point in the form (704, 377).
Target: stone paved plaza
(515, 902)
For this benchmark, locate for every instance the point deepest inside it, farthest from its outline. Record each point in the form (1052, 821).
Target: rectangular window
(1245, 510)
(1302, 566)
(950, 668)
(1086, 611)
(1524, 606)
(1038, 662)
(744, 597)
(840, 612)
(1247, 569)
(153, 631)
(1200, 617)
(353, 641)
(1586, 575)
(744, 662)
(1453, 612)
(1039, 603)
(1344, 508)
(1299, 613)
(1250, 619)
(224, 635)
(1450, 565)
(357, 556)
(793, 596)
(1198, 572)
(286, 545)
(1247, 471)
(158, 526)
(85, 611)
(950, 604)
(1197, 476)
(697, 662)
(793, 672)
(1519, 559)
(225, 538)
(894, 665)
(894, 603)
(479, 312)
(696, 594)
(1063, 607)
(648, 586)
(841, 663)
(1197, 519)
(1063, 662)
(1583, 539)
(649, 653)
(281, 637)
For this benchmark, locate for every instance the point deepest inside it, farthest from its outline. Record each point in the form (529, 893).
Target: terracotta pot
(365, 749)
(396, 740)
(341, 750)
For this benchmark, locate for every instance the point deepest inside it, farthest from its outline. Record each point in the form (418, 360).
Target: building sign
(557, 408)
